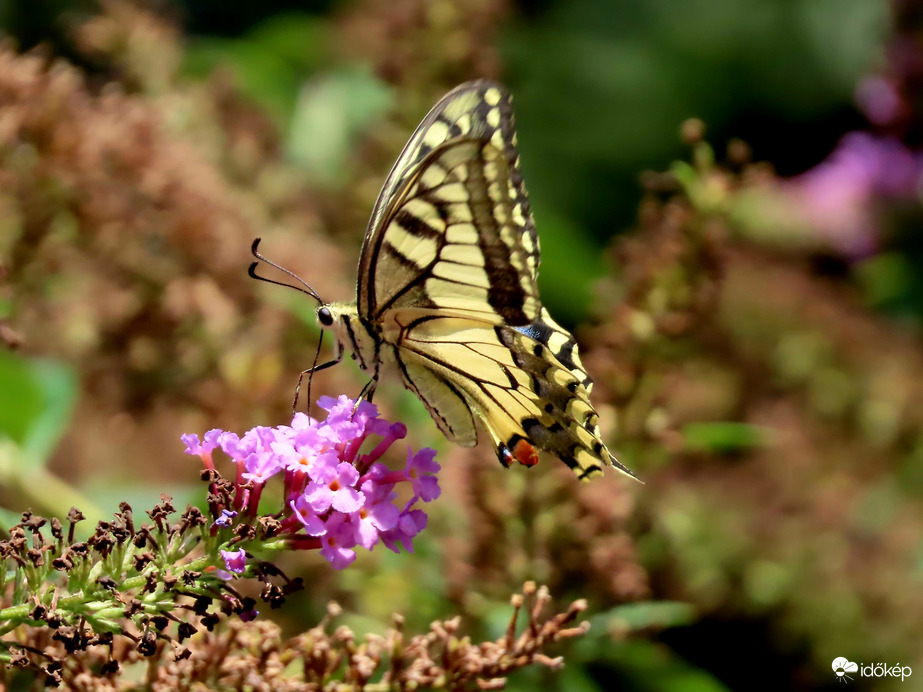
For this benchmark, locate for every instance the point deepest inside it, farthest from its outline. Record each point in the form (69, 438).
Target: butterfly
(447, 294)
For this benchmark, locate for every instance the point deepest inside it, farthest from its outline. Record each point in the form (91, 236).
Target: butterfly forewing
(479, 113)
(450, 241)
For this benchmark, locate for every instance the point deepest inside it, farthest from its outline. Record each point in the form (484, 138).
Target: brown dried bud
(692, 131)
(142, 560)
(185, 630)
(147, 645)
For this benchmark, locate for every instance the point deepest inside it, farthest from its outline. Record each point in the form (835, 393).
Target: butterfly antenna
(254, 249)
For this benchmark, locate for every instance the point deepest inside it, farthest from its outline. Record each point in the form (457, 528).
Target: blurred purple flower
(879, 99)
(838, 196)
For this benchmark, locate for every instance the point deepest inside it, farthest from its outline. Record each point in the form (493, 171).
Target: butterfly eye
(324, 316)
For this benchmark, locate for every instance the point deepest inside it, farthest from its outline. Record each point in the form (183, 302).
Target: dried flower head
(254, 655)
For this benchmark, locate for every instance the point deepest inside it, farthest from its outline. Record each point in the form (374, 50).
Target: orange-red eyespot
(525, 453)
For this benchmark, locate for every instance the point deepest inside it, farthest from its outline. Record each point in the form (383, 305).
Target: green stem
(18, 612)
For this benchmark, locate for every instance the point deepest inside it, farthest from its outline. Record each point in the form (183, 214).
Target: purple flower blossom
(230, 444)
(335, 488)
(338, 540)
(410, 523)
(396, 431)
(203, 449)
(302, 421)
(421, 470)
(324, 467)
(260, 467)
(313, 524)
(342, 425)
(225, 518)
(378, 514)
(295, 455)
(235, 560)
(335, 497)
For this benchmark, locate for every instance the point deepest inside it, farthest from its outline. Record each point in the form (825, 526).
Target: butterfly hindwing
(562, 345)
(445, 403)
(511, 381)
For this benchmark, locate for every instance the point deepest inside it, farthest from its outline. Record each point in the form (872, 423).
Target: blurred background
(728, 199)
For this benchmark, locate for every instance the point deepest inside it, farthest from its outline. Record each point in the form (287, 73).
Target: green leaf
(571, 264)
(36, 400)
(269, 62)
(885, 278)
(643, 666)
(8, 519)
(330, 113)
(723, 437)
(658, 614)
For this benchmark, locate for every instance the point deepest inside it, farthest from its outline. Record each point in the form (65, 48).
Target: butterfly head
(354, 335)
(336, 317)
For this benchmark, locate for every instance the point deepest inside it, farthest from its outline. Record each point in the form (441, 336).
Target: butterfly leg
(338, 356)
(367, 392)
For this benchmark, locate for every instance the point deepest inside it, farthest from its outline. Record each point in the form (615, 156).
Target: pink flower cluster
(841, 198)
(335, 497)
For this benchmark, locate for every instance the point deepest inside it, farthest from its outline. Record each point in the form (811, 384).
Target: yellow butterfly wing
(447, 288)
